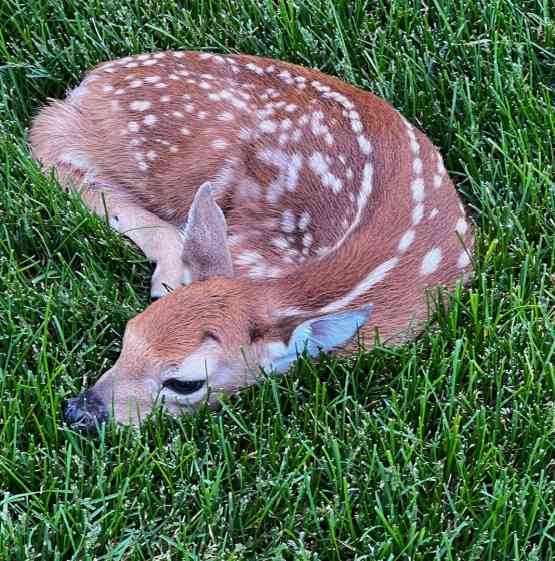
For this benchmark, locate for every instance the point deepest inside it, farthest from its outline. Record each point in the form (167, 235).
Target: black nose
(85, 412)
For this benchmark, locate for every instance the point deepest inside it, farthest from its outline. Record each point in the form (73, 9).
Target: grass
(443, 448)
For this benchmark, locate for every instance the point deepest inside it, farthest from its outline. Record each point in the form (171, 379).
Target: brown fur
(234, 141)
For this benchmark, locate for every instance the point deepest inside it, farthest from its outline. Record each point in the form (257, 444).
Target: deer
(286, 212)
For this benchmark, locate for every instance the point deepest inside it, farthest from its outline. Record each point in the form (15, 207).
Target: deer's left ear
(205, 238)
(323, 333)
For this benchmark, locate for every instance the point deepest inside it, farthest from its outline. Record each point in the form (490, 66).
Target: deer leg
(160, 241)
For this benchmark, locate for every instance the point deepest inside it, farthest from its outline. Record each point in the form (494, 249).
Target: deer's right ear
(205, 238)
(324, 333)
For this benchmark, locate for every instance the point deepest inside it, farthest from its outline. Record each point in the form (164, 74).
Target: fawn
(298, 210)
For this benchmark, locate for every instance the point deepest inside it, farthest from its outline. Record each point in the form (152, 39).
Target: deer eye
(184, 387)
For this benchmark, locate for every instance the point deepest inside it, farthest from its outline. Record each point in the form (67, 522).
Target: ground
(440, 449)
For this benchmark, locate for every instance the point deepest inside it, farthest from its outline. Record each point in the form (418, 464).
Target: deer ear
(324, 333)
(205, 238)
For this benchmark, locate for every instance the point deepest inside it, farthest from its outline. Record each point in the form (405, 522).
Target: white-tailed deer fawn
(299, 209)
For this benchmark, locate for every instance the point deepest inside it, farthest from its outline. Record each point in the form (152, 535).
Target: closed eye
(184, 387)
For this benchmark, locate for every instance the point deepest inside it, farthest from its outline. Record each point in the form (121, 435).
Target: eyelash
(184, 387)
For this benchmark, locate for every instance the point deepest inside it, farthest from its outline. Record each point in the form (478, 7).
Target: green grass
(441, 449)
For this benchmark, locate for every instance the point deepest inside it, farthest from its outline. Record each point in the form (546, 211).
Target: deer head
(209, 338)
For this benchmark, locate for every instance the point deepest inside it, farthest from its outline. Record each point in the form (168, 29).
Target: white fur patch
(461, 226)
(406, 240)
(417, 187)
(219, 144)
(140, 105)
(364, 144)
(417, 214)
(463, 260)
(417, 166)
(288, 221)
(431, 261)
(376, 276)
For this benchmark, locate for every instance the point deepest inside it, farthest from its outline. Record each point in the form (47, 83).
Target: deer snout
(85, 412)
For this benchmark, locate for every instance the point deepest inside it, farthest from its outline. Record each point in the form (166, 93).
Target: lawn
(443, 448)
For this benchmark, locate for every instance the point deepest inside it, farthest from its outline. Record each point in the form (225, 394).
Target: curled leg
(160, 241)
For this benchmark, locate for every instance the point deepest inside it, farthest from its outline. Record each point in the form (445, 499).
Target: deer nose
(86, 412)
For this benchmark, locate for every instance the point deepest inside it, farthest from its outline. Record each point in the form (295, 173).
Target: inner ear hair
(257, 330)
(211, 335)
(286, 326)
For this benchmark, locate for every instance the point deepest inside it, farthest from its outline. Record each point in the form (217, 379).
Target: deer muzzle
(85, 413)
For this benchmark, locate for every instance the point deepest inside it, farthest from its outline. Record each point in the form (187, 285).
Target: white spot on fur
(255, 68)
(150, 120)
(280, 243)
(151, 155)
(304, 220)
(249, 258)
(431, 261)
(219, 144)
(244, 134)
(140, 105)
(376, 276)
(152, 79)
(417, 187)
(320, 167)
(439, 165)
(417, 214)
(268, 126)
(434, 212)
(463, 260)
(132, 126)
(406, 240)
(364, 144)
(367, 174)
(361, 200)
(185, 131)
(317, 164)
(417, 166)
(286, 124)
(461, 226)
(292, 172)
(288, 221)
(225, 116)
